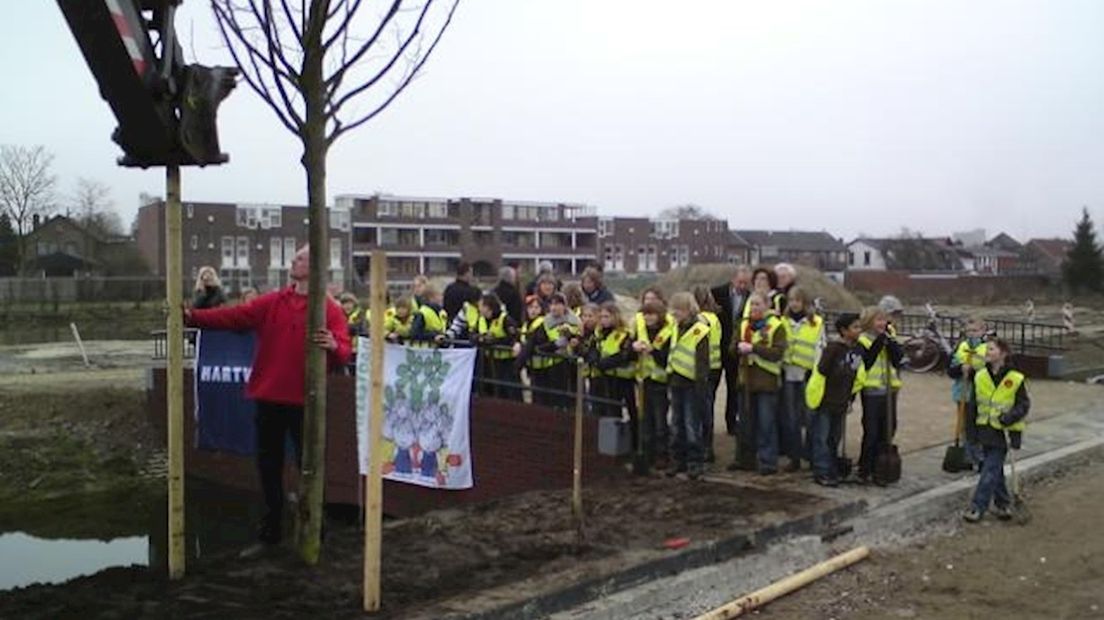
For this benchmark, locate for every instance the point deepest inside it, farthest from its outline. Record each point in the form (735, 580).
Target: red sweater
(279, 319)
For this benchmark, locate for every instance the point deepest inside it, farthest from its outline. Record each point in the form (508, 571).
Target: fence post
(577, 466)
(1067, 317)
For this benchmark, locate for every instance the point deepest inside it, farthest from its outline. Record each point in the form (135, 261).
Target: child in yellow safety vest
(547, 341)
(354, 318)
(429, 319)
(615, 360)
(688, 380)
(399, 320)
(495, 334)
(882, 356)
(1000, 405)
(804, 341)
(708, 310)
(652, 343)
(761, 345)
(968, 358)
(837, 377)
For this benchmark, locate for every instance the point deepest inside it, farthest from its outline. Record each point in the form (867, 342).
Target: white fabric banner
(426, 402)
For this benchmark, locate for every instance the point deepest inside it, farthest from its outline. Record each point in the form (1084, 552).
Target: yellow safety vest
(393, 325)
(757, 338)
(971, 356)
(802, 339)
(714, 324)
(814, 389)
(649, 369)
(875, 375)
(497, 329)
(683, 357)
(996, 400)
(434, 323)
(471, 316)
(608, 346)
(537, 361)
(354, 318)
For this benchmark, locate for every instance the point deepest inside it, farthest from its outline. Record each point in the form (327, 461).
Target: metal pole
(577, 466)
(373, 486)
(174, 372)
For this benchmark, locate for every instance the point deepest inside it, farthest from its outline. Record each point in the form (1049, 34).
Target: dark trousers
(624, 392)
(732, 400)
(747, 432)
(875, 430)
(686, 411)
(500, 371)
(656, 433)
(825, 432)
(793, 422)
(274, 422)
(557, 378)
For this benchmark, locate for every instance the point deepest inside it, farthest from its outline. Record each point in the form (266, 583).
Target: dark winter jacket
(456, 294)
(209, 297)
(510, 297)
(839, 363)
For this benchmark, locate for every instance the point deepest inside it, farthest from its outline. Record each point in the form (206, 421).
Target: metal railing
(1023, 336)
(161, 343)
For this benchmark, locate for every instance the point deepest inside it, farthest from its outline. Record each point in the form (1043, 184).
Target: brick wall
(951, 288)
(515, 448)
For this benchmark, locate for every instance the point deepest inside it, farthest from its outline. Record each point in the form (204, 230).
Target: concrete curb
(698, 590)
(713, 552)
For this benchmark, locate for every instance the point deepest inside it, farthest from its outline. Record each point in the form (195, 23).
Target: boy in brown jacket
(761, 344)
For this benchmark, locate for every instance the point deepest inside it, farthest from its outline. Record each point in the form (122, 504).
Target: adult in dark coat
(595, 291)
(460, 291)
(507, 291)
(732, 298)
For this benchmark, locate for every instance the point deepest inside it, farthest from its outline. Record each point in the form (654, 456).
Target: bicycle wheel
(922, 354)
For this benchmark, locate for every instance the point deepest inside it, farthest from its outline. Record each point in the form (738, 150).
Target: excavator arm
(166, 109)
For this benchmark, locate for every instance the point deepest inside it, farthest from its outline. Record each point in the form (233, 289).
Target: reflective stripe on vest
(971, 356)
(996, 400)
(610, 345)
(875, 375)
(757, 339)
(714, 324)
(649, 369)
(802, 339)
(683, 358)
(497, 330)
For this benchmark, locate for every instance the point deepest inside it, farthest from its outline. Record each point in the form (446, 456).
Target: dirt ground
(519, 544)
(1051, 568)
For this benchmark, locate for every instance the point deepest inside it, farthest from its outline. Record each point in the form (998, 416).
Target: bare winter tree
(26, 189)
(687, 211)
(91, 205)
(324, 68)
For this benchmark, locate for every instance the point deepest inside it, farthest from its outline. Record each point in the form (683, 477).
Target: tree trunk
(315, 147)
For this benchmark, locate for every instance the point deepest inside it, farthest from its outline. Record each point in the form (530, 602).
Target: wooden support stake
(373, 485)
(577, 467)
(80, 344)
(781, 588)
(174, 375)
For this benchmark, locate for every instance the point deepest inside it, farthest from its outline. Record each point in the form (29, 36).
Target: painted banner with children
(426, 403)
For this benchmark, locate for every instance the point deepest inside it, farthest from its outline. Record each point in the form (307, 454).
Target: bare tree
(324, 68)
(91, 206)
(26, 189)
(687, 211)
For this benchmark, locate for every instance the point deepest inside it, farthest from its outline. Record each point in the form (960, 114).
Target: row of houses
(253, 244)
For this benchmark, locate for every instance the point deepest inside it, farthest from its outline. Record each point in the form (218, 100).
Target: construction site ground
(483, 561)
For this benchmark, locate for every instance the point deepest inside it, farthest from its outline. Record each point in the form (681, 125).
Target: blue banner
(224, 416)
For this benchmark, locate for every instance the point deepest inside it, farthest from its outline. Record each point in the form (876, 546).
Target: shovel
(640, 459)
(1020, 512)
(887, 461)
(954, 460)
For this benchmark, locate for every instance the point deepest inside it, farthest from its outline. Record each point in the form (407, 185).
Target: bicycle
(928, 349)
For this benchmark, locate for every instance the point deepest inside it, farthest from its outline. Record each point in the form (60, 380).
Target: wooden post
(174, 374)
(373, 485)
(781, 588)
(577, 467)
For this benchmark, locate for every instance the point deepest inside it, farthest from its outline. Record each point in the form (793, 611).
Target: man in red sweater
(278, 379)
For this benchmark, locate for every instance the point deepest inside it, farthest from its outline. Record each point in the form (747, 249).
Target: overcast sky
(849, 116)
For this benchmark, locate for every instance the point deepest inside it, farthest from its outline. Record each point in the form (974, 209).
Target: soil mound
(834, 296)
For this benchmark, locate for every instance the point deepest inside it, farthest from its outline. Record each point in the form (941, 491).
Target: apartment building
(251, 245)
(639, 245)
(817, 249)
(432, 236)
